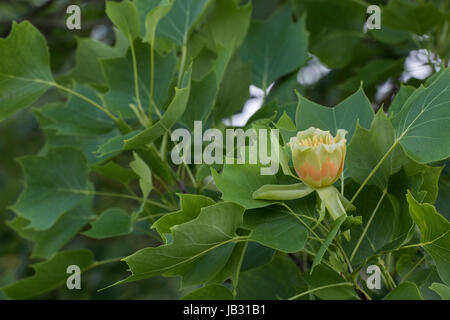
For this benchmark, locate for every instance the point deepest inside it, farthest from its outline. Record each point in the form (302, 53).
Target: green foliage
(99, 176)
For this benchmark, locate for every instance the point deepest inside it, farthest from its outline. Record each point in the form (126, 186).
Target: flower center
(317, 140)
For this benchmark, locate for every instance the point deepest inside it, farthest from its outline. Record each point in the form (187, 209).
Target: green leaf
(435, 233)
(275, 47)
(336, 49)
(410, 268)
(234, 89)
(159, 166)
(400, 99)
(355, 109)
(256, 255)
(422, 124)
(229, 23)
(190, 204)
(49, 274)
(112, 222)
(368, 147)
(194, 243)
(233, 267)
(47, 242)
(210, 292)
(19, 66)
(405, 15)
(53, 186)
(326, 15)
(145, 175)
(89, 121)
(170, 117)
(385, 218)
(154, 16)
(125, 17)
(330, 237)
(201, 99)
(114, 171)
(238, 182)
(373, 73)
(89, 51)
(88, 145)
(404, 291)
(120, 79)
(280, 279)
(276, 228)
(328, 284)
(442, 290)
(177, 24)
(113, 145)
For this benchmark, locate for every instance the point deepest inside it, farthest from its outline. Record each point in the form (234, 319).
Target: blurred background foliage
(414, 43)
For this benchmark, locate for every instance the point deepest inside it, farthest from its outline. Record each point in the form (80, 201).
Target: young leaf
(113, 222)
(114, 171)
(330, 237)
(145, 176)
(19, 68)
(174, 111)
(125, 17)
(442, 290)
(54, 184)
(154, 16)
(190, 204)
(238, 182)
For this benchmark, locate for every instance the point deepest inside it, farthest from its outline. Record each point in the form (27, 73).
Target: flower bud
(318, 156)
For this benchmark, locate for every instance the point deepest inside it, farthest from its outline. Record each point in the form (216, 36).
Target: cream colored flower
(318, 156)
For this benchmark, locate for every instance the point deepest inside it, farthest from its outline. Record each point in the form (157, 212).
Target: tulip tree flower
(318, 159)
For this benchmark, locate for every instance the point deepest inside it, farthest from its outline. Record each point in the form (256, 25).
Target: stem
(117, 195)
(390, 283)
(412, 269)
(373, 171)
(152, 79)
(302, 222)
(136, 79)
(79, 95)
(163, 149)
(191, 176)
(183, 62)
(368, 225)
(151, 216)
(103, 262)
(348, 284)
